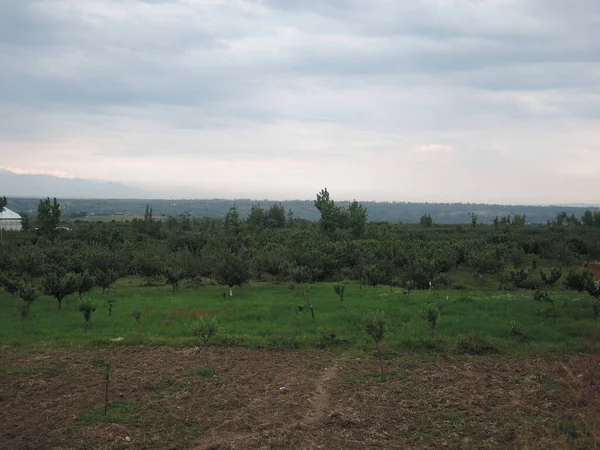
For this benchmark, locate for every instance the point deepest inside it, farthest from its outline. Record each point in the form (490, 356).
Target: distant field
(267, 316)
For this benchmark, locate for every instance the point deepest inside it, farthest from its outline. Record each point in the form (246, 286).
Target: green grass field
(266, 316)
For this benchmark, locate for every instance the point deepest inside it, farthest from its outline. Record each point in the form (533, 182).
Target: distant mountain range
(25, 185)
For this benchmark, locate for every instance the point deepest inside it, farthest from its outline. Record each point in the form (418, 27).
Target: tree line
(270, 244)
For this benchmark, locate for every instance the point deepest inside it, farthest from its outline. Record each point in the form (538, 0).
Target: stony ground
(258, 399)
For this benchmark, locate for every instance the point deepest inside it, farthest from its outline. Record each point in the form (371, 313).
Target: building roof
(7, 214)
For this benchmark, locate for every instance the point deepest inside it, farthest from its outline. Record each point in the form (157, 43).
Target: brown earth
(293, 400)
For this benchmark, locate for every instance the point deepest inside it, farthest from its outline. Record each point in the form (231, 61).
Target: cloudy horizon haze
(491, 101)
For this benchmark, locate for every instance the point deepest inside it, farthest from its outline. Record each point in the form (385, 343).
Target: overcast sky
(420, 100)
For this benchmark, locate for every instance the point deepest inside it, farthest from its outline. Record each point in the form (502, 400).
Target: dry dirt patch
(273, 399)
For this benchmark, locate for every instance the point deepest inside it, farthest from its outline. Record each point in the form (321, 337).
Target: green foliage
(174, 275)
(111, 304)
(27, 292)
(10, 284)
(232, 219)
(59, 286)
(357, 219)
(137, 316)
(578, 279)
(426, 221)
(375, 325)
(339, 290)
(202, 372)
(431, 315)
(118, 412)
(517, 332)
(475, 344)
(48, 217)
(25, 221)
(86, 308)
(232, 270)
(205, 328)
(554, 276)
(84, 282)
(24, 310)
(106, 279)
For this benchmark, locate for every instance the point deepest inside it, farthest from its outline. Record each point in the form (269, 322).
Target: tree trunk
(380, 359)
(312, 311)
(60, 303)
(106, 389)
(230, 291)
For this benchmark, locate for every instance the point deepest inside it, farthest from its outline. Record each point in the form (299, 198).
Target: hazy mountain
(18, 185)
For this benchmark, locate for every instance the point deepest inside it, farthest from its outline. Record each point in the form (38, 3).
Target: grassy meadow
(264, 315)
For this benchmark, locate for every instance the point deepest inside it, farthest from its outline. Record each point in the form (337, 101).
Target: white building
(10, 220)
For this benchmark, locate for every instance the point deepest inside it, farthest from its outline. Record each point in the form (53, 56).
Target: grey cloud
(65, 59)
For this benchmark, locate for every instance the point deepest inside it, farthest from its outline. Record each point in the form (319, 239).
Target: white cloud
(432, 148)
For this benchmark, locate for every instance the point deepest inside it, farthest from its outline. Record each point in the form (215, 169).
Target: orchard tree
(232, 271)
(28, 293)
(204, 329)
(84, 282)
(426, 221)
(48, 217)
(25, 221)
(357, 219)
(431, 315)
(256, 219)
(173, 274)
(375, 327)
(275, 216)
(9, 284)
(339, 289)
(232, 220)
(106, 279)
(553, 277)
(332, 216)
(59, 286)
(578, 279)
(86, 308)
(148, 264)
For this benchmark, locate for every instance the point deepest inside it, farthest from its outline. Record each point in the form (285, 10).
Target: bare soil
(261, 399)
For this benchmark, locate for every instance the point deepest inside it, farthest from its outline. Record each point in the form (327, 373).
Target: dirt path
(318, 409)
(321, 399)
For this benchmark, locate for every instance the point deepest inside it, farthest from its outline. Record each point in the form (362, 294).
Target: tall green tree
(588, 218)
(232, 219)
(426, 220)
(332, 216)
(276, 216)
(48, 218)
(357, 219)
(25, 221)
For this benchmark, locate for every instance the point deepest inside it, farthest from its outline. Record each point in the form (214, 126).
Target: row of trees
(342, 245)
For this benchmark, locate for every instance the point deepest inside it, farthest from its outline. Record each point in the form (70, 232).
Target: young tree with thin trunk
(375, 325)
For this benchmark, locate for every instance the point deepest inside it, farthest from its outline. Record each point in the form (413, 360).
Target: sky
(494, 101)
